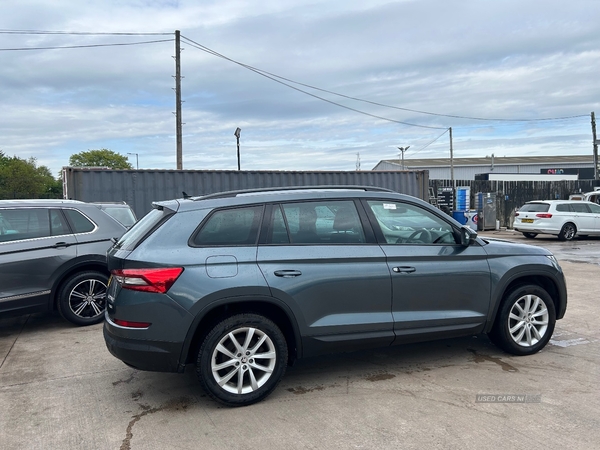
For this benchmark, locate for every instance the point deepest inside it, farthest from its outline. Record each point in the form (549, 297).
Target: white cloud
(508, 59)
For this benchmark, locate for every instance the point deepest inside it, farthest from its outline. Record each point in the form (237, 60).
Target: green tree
(100, 158)
(20, 178)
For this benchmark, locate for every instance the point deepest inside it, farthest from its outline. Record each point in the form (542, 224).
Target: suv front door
(440, 288)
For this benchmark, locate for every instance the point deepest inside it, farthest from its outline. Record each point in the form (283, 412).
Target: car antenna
(186, 195)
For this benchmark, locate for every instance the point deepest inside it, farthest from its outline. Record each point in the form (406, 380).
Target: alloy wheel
(528, 320)
(243, 360)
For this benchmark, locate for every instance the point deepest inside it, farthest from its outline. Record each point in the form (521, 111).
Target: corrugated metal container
(139, 188)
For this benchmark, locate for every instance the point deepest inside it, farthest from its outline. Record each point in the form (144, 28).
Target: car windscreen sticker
(389, 206)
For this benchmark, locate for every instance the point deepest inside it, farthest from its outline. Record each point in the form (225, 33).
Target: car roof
(40, 202)
(278, 194)
(557, 202)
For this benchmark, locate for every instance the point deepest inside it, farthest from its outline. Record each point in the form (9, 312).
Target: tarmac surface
(61, 389)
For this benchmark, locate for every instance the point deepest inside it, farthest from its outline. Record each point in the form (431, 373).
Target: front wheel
(567, 232)
(529, 235)
(242, 359)
(82, 298)
(525, 320)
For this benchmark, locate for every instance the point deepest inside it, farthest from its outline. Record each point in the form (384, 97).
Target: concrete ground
(61, 389)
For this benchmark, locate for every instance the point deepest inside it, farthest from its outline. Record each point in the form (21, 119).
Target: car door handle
(287, 273)
(61, 244)
(404, 269)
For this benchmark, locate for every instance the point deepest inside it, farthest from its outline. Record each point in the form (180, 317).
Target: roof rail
(292, 188)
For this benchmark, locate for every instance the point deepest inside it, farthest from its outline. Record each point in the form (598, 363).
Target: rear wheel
(525, 320)
(82, 298)
(529, 235)
(567, 232)
(242, 359)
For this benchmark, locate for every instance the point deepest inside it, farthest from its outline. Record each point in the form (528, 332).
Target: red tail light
(516, 214)
(157, 280)
(544, 216)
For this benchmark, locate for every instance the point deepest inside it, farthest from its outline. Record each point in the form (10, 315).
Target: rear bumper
(153, 356)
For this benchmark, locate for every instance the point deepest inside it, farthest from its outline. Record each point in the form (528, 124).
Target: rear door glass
(24, 223)
(319, 222)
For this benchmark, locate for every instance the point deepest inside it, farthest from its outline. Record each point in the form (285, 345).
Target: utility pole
(595, 146)
(403, 149)
(452, 162)
(178, 130)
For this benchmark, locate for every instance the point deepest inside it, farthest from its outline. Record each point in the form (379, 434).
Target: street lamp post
(237, 135)
(137, 162)
(403, 149)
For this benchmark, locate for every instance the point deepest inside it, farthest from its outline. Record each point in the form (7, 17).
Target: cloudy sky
(380, 67)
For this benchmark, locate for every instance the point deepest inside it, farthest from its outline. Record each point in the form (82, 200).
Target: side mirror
(467, 236)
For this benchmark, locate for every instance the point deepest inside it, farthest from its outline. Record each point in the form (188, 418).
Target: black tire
(529, 235)
(82, 298)
(241, 358)
(567, 232)
(537, 326)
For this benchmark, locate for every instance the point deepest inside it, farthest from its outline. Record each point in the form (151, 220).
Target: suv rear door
(318, 258)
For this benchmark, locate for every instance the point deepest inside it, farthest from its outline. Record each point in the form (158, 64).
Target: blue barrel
(460, 217)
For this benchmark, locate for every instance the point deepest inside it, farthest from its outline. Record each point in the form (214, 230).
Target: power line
(84, 46)
(266, 75)
(85, 33)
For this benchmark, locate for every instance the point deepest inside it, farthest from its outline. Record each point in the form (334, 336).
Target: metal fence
(511, 195)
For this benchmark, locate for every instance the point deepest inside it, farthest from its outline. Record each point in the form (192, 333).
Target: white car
(564, 218)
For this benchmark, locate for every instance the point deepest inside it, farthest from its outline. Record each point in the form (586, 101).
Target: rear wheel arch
(65, 277)
(268, 308)
(567, 231)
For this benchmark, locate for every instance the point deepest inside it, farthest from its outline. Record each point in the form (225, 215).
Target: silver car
(53, 256)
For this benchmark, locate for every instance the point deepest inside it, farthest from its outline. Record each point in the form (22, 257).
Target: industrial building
(468, 168)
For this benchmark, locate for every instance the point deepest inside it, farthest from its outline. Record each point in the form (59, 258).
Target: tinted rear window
(142, 229)
(123, 215)
(238, 226)
(535, 207)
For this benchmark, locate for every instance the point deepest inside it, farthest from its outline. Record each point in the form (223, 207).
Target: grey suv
(242, 283)
(53, 256)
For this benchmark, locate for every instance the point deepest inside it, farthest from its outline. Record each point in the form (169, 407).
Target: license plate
(527, 220)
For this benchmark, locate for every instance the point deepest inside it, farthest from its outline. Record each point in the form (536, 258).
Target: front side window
(236, 226)
(24, 223)
(324, 222)
(403, 223)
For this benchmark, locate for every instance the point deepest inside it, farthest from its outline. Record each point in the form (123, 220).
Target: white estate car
(564, 218)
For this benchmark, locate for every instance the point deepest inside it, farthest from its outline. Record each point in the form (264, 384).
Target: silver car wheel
(243, 360)
(528, 320)
(88, 298)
